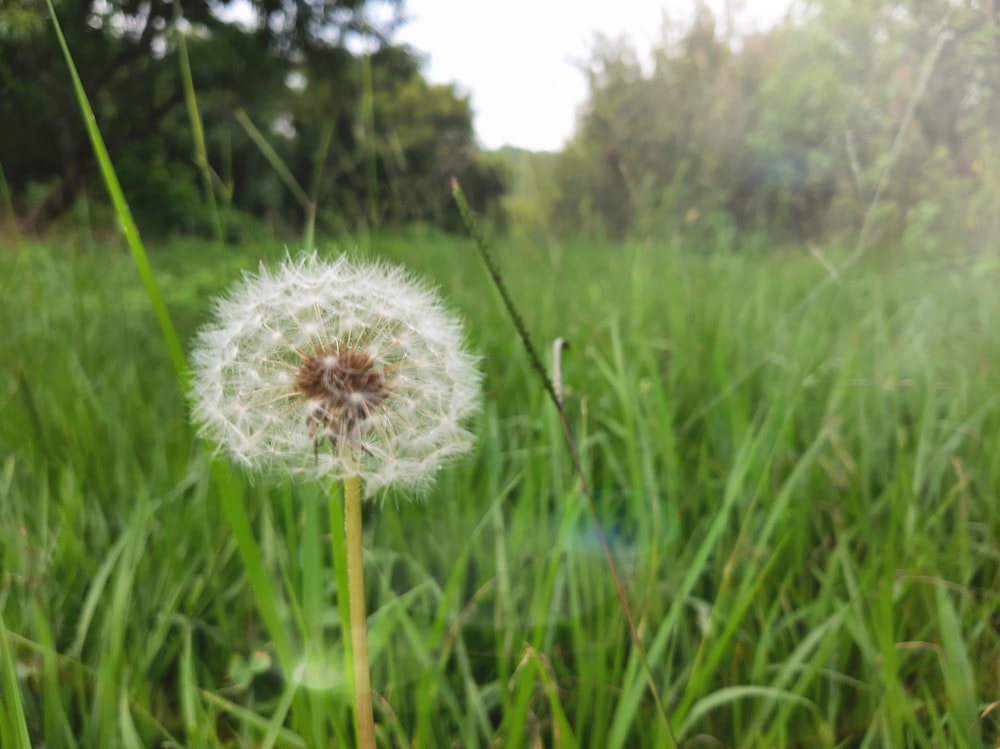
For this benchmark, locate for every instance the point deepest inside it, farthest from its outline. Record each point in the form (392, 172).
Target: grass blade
(123, 212)
(197, 130)
(13, 726)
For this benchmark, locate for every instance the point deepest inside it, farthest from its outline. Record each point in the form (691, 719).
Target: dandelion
(337, 371)
(331, 370)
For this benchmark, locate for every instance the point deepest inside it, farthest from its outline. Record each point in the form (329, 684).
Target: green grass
(800, 496)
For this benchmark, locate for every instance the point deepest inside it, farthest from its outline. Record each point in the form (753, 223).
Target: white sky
(518, 58)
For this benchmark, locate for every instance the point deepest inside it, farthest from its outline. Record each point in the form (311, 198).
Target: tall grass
(804, 512)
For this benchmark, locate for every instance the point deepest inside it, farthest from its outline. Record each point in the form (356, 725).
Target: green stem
(359, 623)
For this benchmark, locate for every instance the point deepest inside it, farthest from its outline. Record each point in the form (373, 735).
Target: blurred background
(727, 125)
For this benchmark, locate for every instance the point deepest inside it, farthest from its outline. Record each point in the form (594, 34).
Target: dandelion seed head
(332, 369)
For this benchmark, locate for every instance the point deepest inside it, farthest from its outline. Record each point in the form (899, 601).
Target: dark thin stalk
(494, 271)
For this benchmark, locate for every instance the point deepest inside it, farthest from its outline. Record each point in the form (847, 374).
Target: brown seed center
(342, 389)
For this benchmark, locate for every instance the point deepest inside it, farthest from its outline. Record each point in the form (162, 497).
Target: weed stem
(359, 622)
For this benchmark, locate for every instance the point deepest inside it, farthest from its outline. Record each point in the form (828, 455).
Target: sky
(520, 59)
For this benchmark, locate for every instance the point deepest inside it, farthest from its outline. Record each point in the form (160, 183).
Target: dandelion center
(342, 390)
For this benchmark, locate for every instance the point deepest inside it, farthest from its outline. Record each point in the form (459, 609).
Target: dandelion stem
(359, 623)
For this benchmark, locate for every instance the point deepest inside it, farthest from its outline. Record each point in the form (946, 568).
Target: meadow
(797, 474)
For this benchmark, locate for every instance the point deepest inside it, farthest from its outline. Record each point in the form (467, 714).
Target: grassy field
(798, 477)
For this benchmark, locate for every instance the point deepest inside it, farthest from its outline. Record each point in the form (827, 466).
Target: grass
(797, 475)
(801, 498)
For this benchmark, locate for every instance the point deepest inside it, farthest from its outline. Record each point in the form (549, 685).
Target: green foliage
(21, 19)
(798, 479)
(531, 181)
(395, 139)
(793, 134)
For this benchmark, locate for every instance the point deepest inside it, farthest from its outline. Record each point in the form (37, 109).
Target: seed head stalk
(365, 722)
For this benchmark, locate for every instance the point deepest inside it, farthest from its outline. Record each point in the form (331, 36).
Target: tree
(884, 115)
(297, 68)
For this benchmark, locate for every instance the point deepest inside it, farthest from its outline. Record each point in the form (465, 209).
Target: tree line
(882, 115)
(877, 119)
(299, 99)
